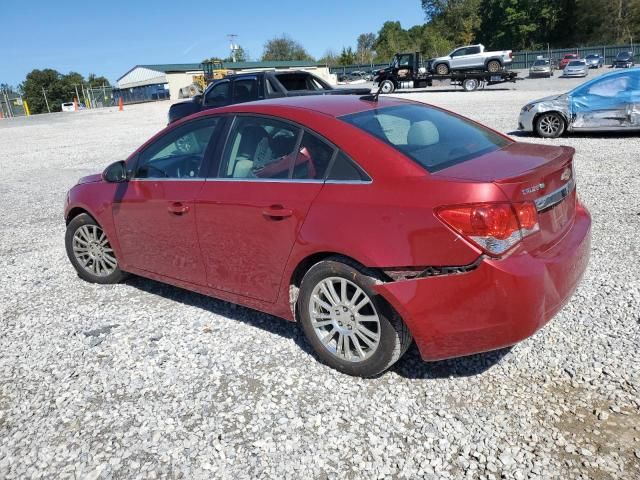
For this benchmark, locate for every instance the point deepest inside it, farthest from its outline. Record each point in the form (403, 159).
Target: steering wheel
(151, 166)
(191, 166)
(186, 144)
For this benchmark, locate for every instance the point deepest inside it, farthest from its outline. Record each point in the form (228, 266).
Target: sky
(109, 38)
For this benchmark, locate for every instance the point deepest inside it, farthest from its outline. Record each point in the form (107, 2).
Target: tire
(470, 84)
(442, 69)
(334, 327)
(90, 252)
(550, 125)
(387, 86)
(494, 66)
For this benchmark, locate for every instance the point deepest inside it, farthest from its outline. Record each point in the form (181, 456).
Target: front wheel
(494, 66)
(550, 125)
(387, 86)
(90, 252)
(350, 327)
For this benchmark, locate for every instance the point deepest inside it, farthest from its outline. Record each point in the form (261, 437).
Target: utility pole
(77, 95)
(45, 99)
(233, 46)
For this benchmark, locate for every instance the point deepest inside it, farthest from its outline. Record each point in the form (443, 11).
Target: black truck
(247, 87)
(407, 71)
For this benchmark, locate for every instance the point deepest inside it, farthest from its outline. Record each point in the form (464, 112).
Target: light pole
(233, 46)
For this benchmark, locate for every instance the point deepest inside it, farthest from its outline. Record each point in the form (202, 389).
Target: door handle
(277, 212)
(178, 208)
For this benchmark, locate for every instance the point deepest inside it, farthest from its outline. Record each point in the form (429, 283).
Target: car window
(405, 60)
(540, 63)
(473, 50)
(179, 153)
(611, 87)
(433, 138)
(218, 95)
(459, 52)
(300, 81)
(314, 156)
(245, 89)
(345, 169)
(260, 148)
(575, 63)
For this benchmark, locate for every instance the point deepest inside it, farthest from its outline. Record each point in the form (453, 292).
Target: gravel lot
(143, 380)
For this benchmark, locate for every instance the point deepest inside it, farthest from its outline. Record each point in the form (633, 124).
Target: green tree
(347, 56)
(392, 38)
(97, 80)
(329, 58)
(365, 52)
(284, 48)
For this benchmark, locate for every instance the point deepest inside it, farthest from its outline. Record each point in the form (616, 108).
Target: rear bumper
(497, 305)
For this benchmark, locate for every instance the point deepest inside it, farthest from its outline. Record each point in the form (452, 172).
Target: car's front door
(154, 211)
(608, 103)
(249, 215)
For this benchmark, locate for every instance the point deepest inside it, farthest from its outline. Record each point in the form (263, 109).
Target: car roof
(331, 105)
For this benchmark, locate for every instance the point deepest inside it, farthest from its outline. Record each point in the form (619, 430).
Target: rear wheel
(442, 69)
(350, 327)
(470, 84)
(388, 86)
(494, 66)
(90, 252)
(550, 125)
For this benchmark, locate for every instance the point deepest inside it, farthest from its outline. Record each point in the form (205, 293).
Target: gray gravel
(143, 380)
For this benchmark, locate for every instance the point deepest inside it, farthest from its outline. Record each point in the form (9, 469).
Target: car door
(249, 215)
(154, 213)
(607, 103)
(245, 89)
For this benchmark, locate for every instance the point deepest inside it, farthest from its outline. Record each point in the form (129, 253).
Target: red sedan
(371, 222)
(569, 57)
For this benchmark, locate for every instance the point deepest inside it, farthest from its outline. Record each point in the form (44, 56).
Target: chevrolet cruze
(372, 222)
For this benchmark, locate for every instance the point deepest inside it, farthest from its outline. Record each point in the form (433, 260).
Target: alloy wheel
(550, 124)
(344, 319)
(93, 252)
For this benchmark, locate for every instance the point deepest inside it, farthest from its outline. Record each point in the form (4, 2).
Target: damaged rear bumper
(495, 305)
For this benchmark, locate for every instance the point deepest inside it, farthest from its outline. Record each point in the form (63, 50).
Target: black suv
(247, 87)
(624, 60)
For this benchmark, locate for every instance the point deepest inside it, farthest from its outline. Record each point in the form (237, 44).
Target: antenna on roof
(374, 97)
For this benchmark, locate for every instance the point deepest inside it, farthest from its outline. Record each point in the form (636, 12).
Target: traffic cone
(120, 105)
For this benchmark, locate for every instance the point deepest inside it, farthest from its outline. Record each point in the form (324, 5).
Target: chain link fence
(11, 105)
(523, 60)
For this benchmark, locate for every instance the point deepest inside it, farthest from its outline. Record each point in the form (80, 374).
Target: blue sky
(108, 38)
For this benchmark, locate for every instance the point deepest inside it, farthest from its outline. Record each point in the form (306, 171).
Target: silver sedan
(609, 102)
(576, 68)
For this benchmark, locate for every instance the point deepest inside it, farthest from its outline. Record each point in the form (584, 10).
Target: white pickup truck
(471, 57)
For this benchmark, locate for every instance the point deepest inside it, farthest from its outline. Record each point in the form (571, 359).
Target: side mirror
(115, 173)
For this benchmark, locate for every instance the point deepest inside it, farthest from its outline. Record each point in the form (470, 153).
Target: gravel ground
(143, 380)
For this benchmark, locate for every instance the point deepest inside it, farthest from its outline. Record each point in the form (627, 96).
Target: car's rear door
(251, 210)
(154, 211)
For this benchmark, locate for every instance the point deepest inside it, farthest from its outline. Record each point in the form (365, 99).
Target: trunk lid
(529, 173)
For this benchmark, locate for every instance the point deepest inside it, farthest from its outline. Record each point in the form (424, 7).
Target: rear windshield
(571, 55)
(540, 63)
(433, 138)
(575, 63)
(301, 81)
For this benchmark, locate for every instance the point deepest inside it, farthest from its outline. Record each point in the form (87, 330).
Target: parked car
(566, 59)
(257, 86)
(541, 68)
(609, 102)
(68, 107)
(372, 223)
(594, 60)
(624, 60)
(576, 68)
(471, 57)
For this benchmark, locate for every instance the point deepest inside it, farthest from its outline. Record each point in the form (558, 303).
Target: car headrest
(423, 134)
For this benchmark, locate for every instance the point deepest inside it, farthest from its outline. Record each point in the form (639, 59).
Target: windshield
(570, 56)
(592, 57)
(540, 63)
(433, 138)
(576, 63)
(624, 55)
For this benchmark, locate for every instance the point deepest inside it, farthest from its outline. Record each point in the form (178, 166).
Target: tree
(284, 48)
(366, 42)
(392, 38)
(97, 81)
(329, 58)
(347, 57)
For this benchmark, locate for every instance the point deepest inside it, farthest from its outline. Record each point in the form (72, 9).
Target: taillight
(494, 227)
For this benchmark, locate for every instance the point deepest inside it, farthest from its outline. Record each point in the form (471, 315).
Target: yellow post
(26, 108)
